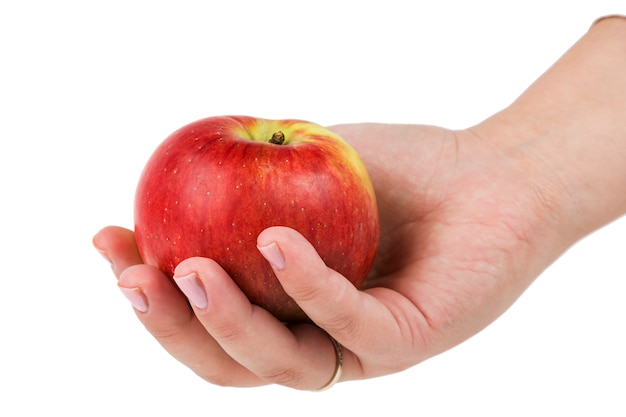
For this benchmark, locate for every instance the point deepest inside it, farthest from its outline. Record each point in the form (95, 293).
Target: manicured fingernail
(136, 297)
(191, 286)
(104, 254)
(273, 255)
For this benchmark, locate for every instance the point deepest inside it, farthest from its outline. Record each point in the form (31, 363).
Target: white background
(88, 90)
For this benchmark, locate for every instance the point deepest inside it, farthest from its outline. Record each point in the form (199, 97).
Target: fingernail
(273, 255)
(191, 286)
(136, 297)
(104, 254)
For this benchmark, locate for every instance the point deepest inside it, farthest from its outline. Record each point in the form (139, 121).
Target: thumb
(328, 298)
(378, 325)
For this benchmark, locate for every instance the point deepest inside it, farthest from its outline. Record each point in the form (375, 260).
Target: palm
(456, 236)
(401, 183)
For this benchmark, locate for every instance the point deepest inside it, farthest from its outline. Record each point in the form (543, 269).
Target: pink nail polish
(136, 297)
(191, 286)
(104, 254)
(273, 255)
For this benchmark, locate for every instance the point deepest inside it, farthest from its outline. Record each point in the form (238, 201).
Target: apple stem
(278, 138)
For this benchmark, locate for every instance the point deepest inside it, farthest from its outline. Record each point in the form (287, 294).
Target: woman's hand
(460, 226)
(468, 220)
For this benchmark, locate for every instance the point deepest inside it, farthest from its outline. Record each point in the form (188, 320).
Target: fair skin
(469, 219)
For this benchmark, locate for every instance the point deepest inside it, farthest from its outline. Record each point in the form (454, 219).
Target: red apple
(212, 186)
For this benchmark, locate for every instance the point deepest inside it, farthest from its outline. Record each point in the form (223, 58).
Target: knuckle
(306, 293)
(230, 329)
(171, 330)
(169, 336)
(221, 380)
(312, 290)
(346, 326)
(283, 376)
(228, 333)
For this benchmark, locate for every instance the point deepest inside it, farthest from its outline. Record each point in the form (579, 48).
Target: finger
(371, 324)
(300, 357)
(166, 314)
(118, 246)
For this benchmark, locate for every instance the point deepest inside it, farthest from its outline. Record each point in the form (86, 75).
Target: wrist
(549, 204)
(568, 130)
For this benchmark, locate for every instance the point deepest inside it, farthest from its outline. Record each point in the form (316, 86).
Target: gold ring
(338, 366)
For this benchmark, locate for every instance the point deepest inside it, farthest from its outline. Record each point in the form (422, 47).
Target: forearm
(571, 123)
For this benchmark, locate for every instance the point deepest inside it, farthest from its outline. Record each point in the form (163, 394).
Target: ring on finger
(338, 366)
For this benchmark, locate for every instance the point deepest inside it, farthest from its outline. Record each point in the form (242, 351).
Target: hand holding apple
(214, 185)
(442, 224)
(466, 226)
